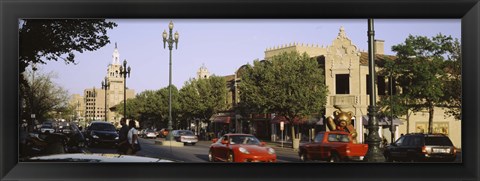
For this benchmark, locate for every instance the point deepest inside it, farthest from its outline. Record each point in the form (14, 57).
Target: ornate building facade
(346, 75)
(92, 103)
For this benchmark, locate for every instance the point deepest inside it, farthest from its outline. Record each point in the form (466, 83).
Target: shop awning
(222, 119)
(310, 120)
(383, 121)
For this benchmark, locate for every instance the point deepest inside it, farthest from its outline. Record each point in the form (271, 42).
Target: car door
(405, 148)
(316, 149)
(394, 149)
(223, 148)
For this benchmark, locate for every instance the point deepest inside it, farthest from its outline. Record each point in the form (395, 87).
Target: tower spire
(115, 56)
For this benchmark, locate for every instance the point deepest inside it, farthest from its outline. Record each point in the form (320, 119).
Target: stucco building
(346, 74)
(347, 77)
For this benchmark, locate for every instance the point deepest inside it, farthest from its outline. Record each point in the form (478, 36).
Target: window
(319, 138)
(399, 142)
(338, 138)
(381, 85)
(408, 141)
(342, 84)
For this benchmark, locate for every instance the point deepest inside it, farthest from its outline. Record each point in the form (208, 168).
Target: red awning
(222, 119)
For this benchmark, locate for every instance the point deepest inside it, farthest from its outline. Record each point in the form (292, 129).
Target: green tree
(202, 98)
(420, 71)
(163, 106)
(50, 39)
(42, 97)
(453, 80)
(289, 84)
(42, 40)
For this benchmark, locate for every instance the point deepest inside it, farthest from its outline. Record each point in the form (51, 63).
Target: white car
(149, 133)
(185, 136)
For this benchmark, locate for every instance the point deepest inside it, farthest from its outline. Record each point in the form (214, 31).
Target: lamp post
(374, 154)
(392, 127)
(105, 86)
(124, 71)
(32, 97)
(170, 40)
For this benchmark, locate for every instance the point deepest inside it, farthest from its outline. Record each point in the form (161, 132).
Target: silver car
(185, 136)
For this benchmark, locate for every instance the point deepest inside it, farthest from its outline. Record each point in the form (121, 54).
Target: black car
(99, 132)
(75, 141)
(421, 147)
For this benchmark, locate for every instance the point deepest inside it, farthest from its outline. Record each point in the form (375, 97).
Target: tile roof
(379, 58)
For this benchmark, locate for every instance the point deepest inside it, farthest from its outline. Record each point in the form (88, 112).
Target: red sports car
(240, 148)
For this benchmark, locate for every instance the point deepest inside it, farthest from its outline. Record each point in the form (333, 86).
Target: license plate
(441, 150)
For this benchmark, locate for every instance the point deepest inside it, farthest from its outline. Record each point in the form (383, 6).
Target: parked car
(240, 148)
(421, 147)
(185, 136)
(332, 146)
(47, 127)
(100, 132)
(149, 133)
(75, 141)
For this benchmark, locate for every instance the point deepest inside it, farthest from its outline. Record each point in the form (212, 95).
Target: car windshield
(47, 126)
(102, 127)
(149, 130)
(338, 138)
(185, 133)
(246, 140)
(443, 141)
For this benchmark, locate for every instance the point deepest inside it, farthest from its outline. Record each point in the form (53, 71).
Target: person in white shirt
(132, 138)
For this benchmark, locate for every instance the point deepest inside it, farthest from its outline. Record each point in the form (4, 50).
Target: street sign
(281, 125)
(32, 116)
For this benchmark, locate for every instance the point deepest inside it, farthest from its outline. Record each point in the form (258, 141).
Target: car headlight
(271, 151)
(116, 138)
(95, 136)
(243, 150)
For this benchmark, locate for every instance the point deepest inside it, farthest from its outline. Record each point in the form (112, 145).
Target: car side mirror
(214, 140)
(224, 142)
(263, 143)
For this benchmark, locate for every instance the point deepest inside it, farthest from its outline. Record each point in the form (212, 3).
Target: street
(199, 152)
(188, 153)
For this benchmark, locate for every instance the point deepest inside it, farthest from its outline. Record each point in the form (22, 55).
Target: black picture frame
(11, 11)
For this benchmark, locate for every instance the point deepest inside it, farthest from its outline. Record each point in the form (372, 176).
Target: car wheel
(304, 157)
(210, 156)
(334, 158)
(230, 157)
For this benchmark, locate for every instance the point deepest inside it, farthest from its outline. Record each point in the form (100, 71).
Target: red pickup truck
(332, 146)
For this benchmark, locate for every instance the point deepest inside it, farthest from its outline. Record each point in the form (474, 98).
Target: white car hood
(96, 157)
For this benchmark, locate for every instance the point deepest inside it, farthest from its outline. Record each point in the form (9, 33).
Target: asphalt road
(198, 152)
(187, 153)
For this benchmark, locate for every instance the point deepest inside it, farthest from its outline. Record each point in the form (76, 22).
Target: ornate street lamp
(105, 86)
(392, 127)
(374, 154)
(124, 71)
(170, 40)
(32, 101)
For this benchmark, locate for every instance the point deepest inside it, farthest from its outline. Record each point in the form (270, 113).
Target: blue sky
(222, 45)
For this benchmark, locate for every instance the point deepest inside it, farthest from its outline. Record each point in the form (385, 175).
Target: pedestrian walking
(123, 144)
(132, 137)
